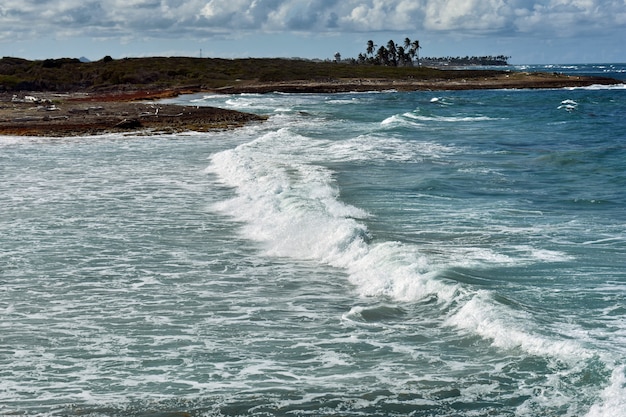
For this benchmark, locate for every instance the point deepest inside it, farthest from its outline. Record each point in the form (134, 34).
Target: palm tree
(415, 50)
(404, 59)
(382, 55)
(407, 43)
(393, 52)
(370, 47)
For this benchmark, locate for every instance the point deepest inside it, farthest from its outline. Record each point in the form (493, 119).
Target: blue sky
(530, 31)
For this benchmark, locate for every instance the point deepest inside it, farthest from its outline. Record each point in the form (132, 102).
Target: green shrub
(8, 82)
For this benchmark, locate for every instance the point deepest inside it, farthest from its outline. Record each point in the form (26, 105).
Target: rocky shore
(140, 112)
(41, 114)
(473, 81)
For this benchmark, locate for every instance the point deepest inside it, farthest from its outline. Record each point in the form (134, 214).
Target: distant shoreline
(479, 81)
(128, 110)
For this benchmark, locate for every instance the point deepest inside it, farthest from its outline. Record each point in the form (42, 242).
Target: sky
(529, 31)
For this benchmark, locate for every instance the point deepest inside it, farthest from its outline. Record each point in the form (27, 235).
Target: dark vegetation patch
(68, 74)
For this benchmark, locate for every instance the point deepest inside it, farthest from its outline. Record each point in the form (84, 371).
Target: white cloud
(563, 17)
(484, 15)
(298, 16)
(200, 18)
(375, 15)
(231, 12)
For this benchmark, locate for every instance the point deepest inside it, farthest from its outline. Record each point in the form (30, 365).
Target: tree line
(406, 54)
(393, 54)
(467, 60)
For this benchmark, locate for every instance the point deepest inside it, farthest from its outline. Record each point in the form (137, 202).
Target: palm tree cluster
(406, 54)
(394, 54)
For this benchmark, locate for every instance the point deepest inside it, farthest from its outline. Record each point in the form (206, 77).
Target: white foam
(450, 119)
(569, 105)
(612, 402)
(290, 206)
(385, 148)
(10, 140)
(342, 101)
(508, 328)
(595, 87)
(207, 97)
(391, 120)
(531, 254)
(394, 270)
(293, 209)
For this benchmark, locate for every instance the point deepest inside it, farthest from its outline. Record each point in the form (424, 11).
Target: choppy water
(372, 254)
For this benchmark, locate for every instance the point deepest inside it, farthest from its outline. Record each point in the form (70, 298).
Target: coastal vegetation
(107, 95)
(69, 74)
(485, 60)
(406, 54)
(394, 54)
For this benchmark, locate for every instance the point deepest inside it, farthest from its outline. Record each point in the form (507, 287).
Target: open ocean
(444, 253)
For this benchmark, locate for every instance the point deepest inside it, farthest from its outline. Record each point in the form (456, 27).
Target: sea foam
(292, 207)
(612, 400)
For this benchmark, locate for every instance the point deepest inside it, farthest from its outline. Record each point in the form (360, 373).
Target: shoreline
(509, 80)
(82, 114)
(139, 111)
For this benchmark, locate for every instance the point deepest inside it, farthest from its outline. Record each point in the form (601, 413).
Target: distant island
(68, 96)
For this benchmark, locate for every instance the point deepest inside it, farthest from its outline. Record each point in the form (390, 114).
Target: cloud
(271, 15)
(234, 14)
(22, 19)
(481, 15)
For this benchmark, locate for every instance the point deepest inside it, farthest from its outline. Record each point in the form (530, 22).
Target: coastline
(471, 81)
(82, 114)
(138, 111)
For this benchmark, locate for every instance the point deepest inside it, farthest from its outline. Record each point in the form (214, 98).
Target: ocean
(431, 253)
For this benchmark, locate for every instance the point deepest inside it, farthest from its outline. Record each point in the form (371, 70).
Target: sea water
(361, 254)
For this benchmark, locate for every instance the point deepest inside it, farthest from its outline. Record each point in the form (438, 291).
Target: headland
(66, 97)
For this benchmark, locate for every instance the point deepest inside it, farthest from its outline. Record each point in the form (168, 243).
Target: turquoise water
(371, 254)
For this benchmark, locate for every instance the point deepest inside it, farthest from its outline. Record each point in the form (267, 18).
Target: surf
(292, 207)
